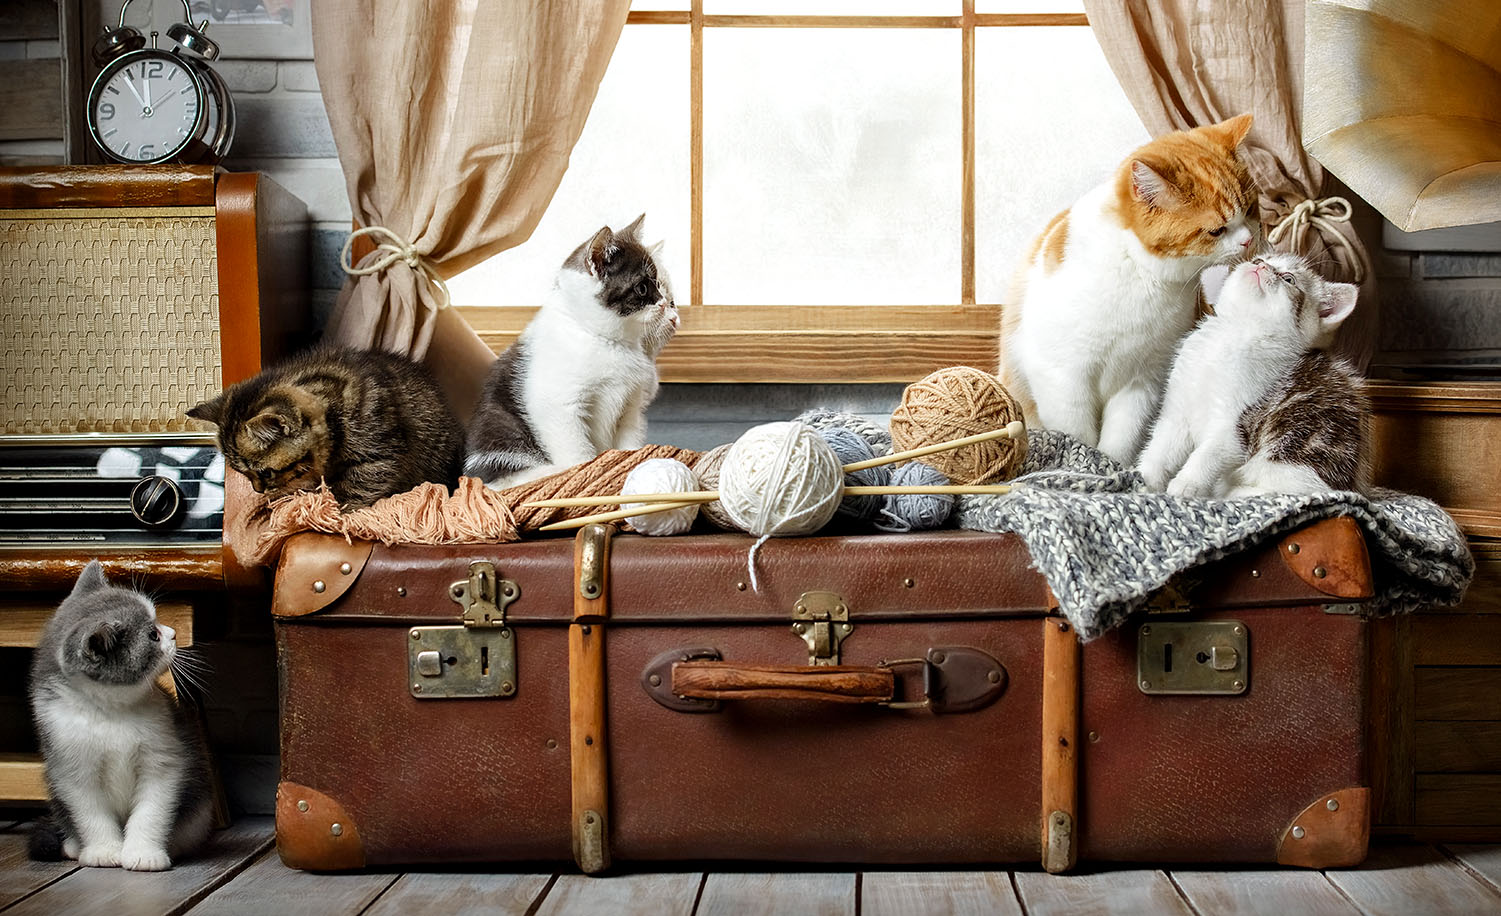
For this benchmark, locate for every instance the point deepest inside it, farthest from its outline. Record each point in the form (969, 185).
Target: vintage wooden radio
(127, 295)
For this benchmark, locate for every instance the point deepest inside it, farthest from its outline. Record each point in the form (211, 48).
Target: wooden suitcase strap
(1060, 738)
(586, 700)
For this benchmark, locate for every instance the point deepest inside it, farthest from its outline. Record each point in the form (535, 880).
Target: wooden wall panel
(1451, 640)
(29, 94)
(1459, 747)
(1465, 800)
(1457, 694)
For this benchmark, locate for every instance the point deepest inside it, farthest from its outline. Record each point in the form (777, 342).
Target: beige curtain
(1186, 63)
(454, 120)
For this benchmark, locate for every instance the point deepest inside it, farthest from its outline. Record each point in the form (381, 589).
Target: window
(843, 186)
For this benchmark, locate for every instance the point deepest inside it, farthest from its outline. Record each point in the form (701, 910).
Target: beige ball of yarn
(780, 479)
(953, 403)
(707, 468)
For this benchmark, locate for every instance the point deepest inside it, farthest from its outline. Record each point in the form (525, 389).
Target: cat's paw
(144, 858)
(100, 855)
(70, 848)
(1186, 487)
(1155, 476)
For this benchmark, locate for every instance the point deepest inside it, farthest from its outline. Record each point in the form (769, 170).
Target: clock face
(146, 108)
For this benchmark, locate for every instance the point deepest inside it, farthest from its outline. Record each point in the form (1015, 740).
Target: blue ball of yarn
(849, 446)
(916, 511)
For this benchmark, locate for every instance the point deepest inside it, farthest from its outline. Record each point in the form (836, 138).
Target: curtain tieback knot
(1322, 215)
(389, 249)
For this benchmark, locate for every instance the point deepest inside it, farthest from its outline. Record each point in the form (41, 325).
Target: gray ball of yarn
(849, 446)
(873, 433)
(707, 468)
(916, 511)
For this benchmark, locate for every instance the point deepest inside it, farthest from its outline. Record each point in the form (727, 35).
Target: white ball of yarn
(781, 479)
(660, 475)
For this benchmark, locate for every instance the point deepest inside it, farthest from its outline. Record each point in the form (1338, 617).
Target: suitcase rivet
(588, 739)
(1145, 631)
(845, 627)
(585, 630)
(1094, 737)
(1255, 574)
(740, 586)
(589, 818)
(1239, 685)
(416, 633)
(936, 657)
(336, 829)
(302, 805)
(1293, 548)
(401, 591)
(551, 744)
(1298, 833)
(416, 688)
(1240, 631)
(801, 609)
(908, 583)
(1146, 685)
(345, 568)
(801, 628)
(507, 688)
(505, 633)
(1332, 805)
(1320, 572)
(994, 677)
(318, 586)
(655, 680)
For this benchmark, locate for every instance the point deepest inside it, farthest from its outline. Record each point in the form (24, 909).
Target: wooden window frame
(816, 343)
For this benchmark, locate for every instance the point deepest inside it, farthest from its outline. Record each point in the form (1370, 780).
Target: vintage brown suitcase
(877, 699)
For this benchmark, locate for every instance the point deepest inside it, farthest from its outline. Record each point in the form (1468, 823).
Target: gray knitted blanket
(1105, 543)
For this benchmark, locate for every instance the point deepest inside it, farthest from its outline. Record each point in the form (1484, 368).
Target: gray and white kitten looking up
(579, 379)
(1255, 404)
(125, 764)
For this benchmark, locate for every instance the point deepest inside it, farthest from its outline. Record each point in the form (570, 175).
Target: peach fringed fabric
(473, 514)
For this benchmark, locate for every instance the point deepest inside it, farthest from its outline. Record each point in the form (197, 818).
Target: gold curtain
(454, 120)
(1186, 63)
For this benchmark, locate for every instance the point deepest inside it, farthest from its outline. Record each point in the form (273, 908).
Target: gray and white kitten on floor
(125, 764)
(579, 379)
(1255, 403)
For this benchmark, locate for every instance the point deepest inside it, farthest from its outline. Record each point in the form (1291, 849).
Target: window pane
(835, 7)
(832, 166)
(1039, 142)
(632, 157)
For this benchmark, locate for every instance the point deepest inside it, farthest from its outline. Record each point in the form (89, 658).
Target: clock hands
(130, 84)
(146, 84)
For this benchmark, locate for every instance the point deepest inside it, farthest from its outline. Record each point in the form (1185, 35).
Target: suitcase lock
(476, 659)
(822, 620)
(1193, 657)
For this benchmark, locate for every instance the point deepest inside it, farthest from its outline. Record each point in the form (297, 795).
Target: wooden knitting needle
(704, 496)
(615, 516)
(1014, 430)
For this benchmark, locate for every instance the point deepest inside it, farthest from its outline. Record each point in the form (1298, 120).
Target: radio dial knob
(157, 501)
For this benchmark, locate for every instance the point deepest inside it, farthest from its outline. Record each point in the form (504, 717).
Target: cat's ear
(597, 252)
(212, 410)
(1337, 303)
(1233, 130)
(91, 579)
(634, 229)
(1149, 187)
(1213, 280)
(102, 641)
(267, 427)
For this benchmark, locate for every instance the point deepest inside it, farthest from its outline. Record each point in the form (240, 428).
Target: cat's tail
(46, 841)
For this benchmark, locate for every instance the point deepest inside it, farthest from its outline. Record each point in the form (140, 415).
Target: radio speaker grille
(111, 324)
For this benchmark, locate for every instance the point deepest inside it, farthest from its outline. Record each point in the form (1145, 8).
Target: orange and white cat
(1110, 287)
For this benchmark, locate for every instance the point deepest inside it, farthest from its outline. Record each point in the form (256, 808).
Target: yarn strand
(1321, 214)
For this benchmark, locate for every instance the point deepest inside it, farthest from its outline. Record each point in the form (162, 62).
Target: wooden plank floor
(240, 874)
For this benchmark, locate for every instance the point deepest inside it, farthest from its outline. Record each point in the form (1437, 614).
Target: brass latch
(1200, 657)
(822, 620)
(476, 659)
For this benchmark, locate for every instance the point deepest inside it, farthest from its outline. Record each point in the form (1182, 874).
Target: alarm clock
(153, 105)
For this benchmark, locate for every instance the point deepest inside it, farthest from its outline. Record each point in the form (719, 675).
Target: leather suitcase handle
(712, 680)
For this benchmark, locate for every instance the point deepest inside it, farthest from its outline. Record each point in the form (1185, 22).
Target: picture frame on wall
(261, 29)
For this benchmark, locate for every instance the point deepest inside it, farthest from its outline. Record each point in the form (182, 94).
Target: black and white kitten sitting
(1255, 403)
(125, 765)
(579, 379)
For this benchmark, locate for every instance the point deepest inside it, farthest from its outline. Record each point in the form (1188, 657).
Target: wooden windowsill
(799, 343)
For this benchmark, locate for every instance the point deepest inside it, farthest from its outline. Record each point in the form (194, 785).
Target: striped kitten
(579, 379)
(1109, 288)
(368, 423)
(1255, 404)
